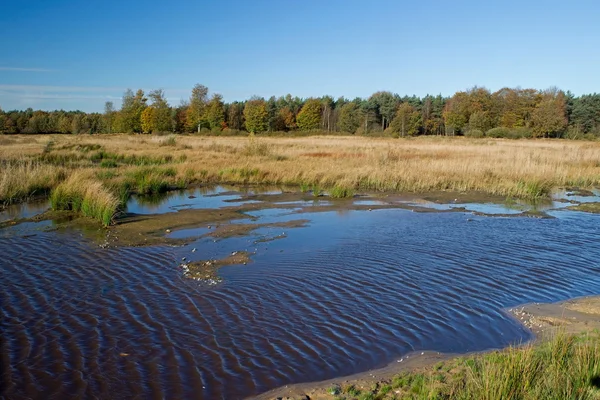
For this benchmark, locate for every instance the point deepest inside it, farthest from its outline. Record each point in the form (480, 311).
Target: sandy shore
(543, 319)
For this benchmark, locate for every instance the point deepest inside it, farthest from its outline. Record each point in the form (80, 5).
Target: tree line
(477, 112)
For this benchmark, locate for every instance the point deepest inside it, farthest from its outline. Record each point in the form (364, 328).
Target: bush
(500, 132)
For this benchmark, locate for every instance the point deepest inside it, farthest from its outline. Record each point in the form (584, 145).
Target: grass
(564, 367)
(340, 165)
(340, 192)
(22, 178)
(86, 196)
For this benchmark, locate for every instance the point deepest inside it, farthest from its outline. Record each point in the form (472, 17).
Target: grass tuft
(340, 192)
(89, 197)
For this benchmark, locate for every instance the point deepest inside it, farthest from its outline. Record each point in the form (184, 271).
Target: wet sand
(543, 319)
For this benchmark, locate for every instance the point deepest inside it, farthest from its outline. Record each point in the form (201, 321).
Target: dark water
(351, 291)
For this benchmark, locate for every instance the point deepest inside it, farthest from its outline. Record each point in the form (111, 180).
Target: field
(117, 165)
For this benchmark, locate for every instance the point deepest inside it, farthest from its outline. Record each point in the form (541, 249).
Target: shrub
(500, 132)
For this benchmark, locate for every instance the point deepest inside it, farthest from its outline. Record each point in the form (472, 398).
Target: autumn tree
(456, 112)
(196, 112)
(286, 116)
(309, 116)
(256, 115)
(549, 117)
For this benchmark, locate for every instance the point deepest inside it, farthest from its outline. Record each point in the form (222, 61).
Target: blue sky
(79, 54)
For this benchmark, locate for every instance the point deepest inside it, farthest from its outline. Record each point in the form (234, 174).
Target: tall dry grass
(512, 168)
(22, 178)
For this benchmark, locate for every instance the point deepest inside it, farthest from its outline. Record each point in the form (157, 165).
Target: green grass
(152, 180)
(340, 192)
(565, 367)
(90, 198)
(534, 190)
(108, 163)
(316, 190)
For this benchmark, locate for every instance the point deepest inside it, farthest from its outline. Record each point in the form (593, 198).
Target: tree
(286, 116)
(235, 115)
(77, 124)
(131, 111)
(215, 113)
(160, 120)
(349, 118)
(147, 119)
(256, 115)
(3, 119)
(407, 120)
(585, 114)
(456, 112)
(109, 116)
(480, 120)
(309, 116)
(196, 112)
(386, 104)
(550, 115)
(327, 107)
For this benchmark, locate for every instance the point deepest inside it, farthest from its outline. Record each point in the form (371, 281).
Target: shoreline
(573, 316)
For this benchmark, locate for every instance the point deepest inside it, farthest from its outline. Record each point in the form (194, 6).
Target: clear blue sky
(79, 54)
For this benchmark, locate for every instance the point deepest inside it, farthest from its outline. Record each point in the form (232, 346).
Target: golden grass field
(34, 164)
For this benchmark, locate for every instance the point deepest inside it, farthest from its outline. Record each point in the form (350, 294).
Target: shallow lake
(350, 291)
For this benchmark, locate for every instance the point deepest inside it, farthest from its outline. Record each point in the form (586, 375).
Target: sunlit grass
(339, 165)
(22, 178)
(565, 367)
(89, 197)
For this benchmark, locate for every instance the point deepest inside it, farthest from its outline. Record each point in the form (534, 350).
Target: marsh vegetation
(109, 168)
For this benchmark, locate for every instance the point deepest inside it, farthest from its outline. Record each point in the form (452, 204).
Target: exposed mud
(593, 208)
(206, 270)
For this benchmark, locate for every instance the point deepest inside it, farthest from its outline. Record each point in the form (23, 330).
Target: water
(352, 290)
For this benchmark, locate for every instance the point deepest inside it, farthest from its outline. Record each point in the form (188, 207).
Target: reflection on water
(24, 210)
(348, 292)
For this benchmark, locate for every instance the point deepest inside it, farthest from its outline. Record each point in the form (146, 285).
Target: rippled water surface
(352, 290)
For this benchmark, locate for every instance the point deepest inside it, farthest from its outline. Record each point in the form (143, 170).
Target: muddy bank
(206, 270)
(543, 319)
